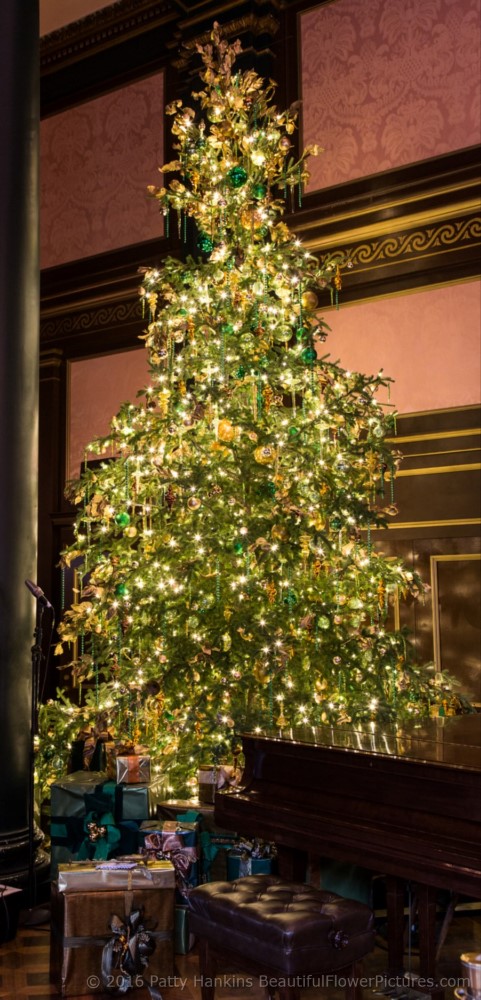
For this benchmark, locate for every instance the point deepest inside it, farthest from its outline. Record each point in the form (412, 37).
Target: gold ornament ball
(193, 503)
(264, 455)
(251, 218)
(309, 300)
(225, 430)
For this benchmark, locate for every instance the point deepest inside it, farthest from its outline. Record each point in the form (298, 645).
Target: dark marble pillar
(19, 348)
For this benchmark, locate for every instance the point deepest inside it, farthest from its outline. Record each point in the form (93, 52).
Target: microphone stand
(36, 654)
(37, 657)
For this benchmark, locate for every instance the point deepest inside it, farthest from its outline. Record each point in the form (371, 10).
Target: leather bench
(290, 935)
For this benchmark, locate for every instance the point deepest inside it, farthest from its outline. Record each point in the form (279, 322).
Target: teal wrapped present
(183, 940)
(251, 857)
(214, 848)
(75, 796)
(238, 866)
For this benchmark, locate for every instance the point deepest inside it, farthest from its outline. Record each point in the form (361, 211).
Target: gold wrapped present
(88, 927)
(130, 873)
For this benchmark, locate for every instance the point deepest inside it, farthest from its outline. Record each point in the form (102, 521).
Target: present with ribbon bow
(134, 872)
(178, 843)
(129, 763)
(251, 857)
(76, 795)
(100, 930)
(102, 837)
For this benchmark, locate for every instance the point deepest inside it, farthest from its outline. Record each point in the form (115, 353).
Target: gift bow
(227, 774)
(127, 953)
(171, 848)
(101, 834)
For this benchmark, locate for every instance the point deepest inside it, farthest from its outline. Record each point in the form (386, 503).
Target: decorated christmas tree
(226, 574)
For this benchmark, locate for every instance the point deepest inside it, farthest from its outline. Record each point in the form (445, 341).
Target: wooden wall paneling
(437, 532)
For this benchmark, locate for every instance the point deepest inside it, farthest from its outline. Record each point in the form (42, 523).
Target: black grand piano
(402, 801)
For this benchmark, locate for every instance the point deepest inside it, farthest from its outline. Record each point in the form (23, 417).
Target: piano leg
(292, 863)
(395, 925)
(426, 895)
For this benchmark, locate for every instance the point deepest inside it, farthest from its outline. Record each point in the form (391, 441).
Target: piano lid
(454, 741)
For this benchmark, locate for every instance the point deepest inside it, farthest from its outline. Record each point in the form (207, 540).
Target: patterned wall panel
(428, 342)
(388, 82)
(97, 388)
(96, 161)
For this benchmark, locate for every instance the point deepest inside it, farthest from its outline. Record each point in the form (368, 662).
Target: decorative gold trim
(442, 451)
(60, 324)
(101, 29)
(433, 561)
(447, 232)
(434, 435)
(439, 470)
(449, 523)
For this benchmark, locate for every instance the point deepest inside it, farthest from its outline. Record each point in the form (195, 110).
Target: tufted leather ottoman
(290, 935)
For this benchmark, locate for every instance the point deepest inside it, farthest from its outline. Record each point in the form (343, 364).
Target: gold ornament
(309, 300)
(268, 396)
(225, 430)
(193, 503)
(271, 592)
(265, 455)
(252, 218)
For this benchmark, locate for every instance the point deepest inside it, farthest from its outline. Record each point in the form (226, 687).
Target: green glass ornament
(236, 176)
(259, 191)
(121, 590)
(240, 373)
(290, 598)
(227, 328)
(336, 523)
(293, 431)
(205, 244)
(122, 519)
(309, 354)
(301, 333)
(238, 548)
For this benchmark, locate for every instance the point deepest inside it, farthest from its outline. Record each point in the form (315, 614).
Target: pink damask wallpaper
(388, 82)
(96, 161)
(429, 342)
(97, 389)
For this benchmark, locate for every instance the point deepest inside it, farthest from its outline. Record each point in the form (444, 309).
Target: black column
(19, 326)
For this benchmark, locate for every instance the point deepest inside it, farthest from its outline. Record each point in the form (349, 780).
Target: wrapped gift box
(214, 848)
(251, 857)
(178, 841)
(184, 941)
(239, 867)
(133, 769)
(76, 795)
(84, 876)
(214, 841)
(81, 929)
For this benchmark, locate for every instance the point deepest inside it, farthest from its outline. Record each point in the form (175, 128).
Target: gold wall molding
(455, 522)
(64, 325)
(423, 241)
(102, 29)
(434, 562)
(439, 470)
